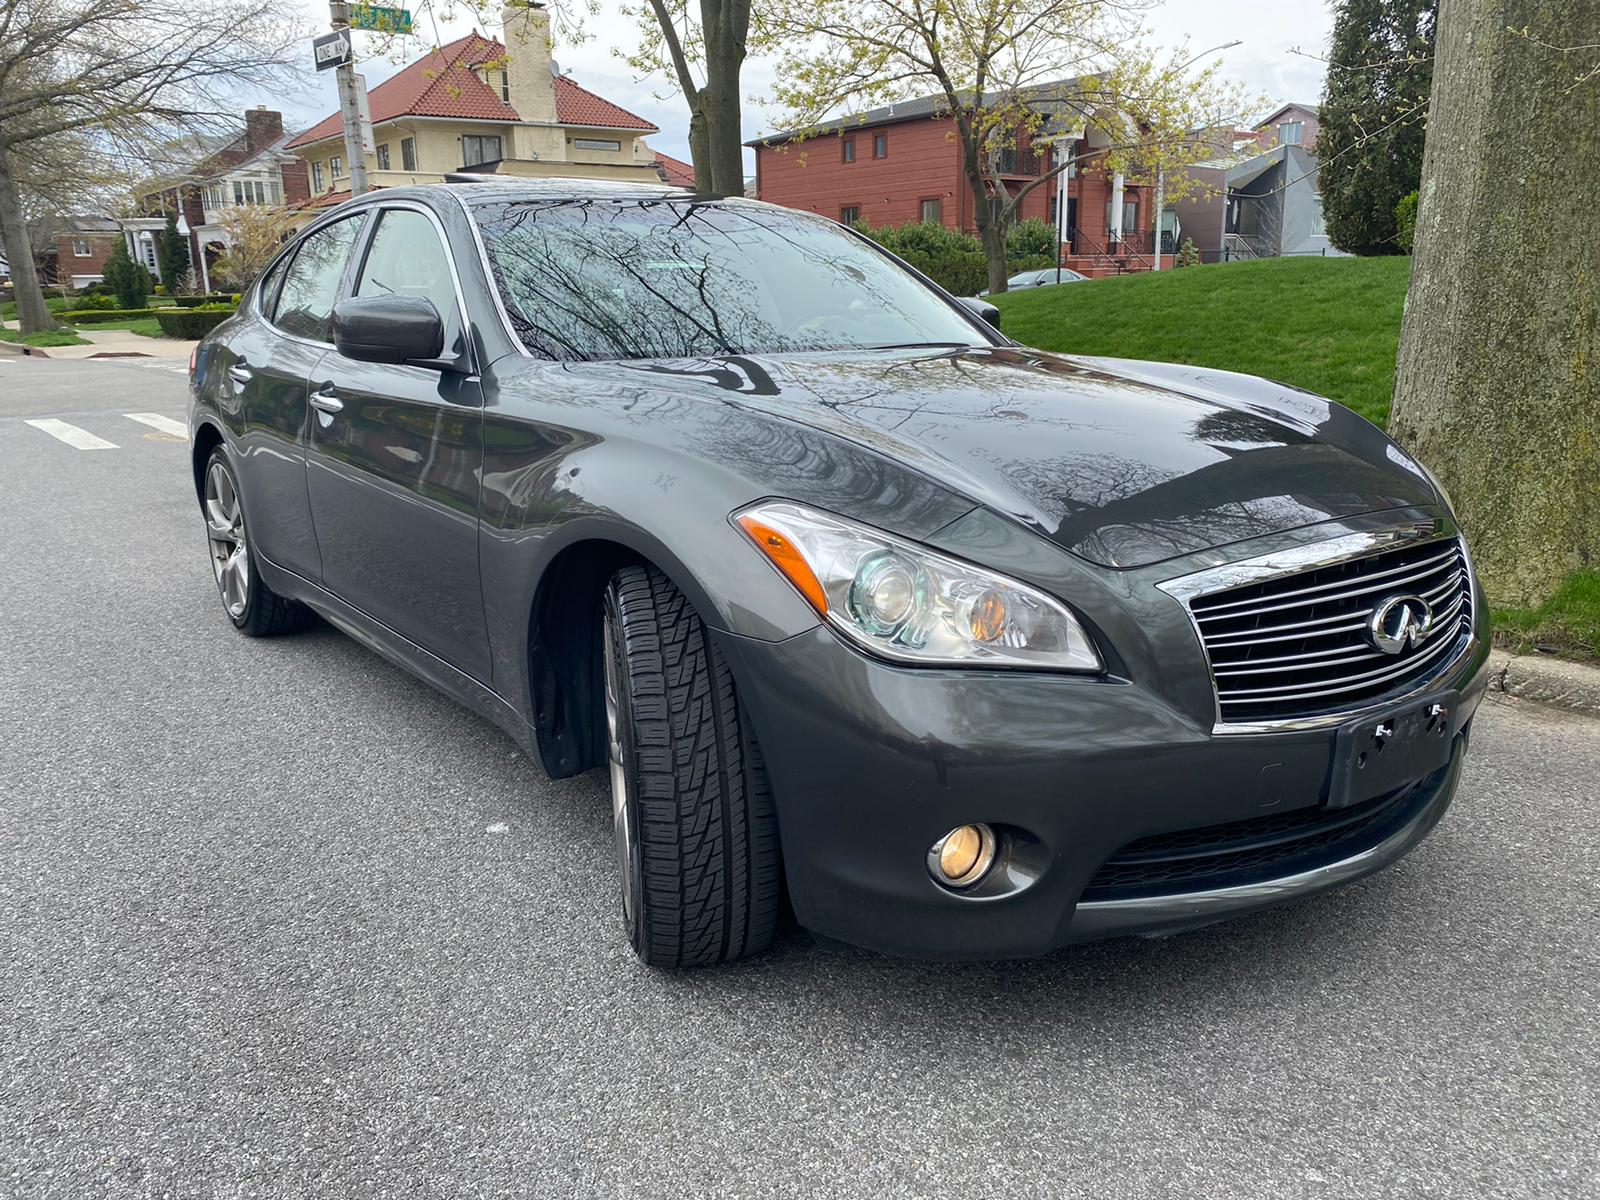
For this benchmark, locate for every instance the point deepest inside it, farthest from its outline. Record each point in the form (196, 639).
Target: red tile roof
(674, 170)
(443, 84)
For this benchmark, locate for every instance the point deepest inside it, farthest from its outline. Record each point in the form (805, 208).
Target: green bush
(97, 316)
(129, 281)
(927, 238)
(1405, 221)
(964, 273)
(1032, 238)
(1032, 262)
(92, 302)
(192, 322)
(199, 301)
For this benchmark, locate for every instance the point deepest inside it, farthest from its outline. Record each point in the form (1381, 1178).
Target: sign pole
(349, 104)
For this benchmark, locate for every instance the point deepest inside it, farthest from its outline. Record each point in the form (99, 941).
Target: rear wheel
(253, 607)
(695, 828)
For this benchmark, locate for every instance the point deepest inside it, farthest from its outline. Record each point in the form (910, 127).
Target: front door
(394, 460)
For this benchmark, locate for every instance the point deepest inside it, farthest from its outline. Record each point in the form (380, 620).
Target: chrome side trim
(1309, 557)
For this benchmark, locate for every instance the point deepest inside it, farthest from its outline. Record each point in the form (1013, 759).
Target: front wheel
(253, 607)
(695, 827)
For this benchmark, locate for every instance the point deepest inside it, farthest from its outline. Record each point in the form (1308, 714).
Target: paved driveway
(277, 921)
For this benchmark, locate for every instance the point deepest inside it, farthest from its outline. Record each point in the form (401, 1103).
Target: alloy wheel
(230, 554)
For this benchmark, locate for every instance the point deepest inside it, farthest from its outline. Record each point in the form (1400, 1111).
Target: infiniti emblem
(1399, 622)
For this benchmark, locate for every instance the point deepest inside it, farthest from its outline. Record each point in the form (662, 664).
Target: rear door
(394, 459)
(268, 376)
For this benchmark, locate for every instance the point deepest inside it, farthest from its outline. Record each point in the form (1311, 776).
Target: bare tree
(701, 46)
(125, 70)
(1005, 71)
(1498, 383)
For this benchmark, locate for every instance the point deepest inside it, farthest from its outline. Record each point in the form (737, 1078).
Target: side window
(305, 305)
(406, 258)
(269, 287)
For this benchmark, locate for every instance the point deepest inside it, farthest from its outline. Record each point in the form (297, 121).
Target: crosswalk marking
(78, 439)
(164, 424)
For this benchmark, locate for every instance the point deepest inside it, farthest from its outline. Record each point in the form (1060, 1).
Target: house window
(80, 248)
(475, 150)
(597, 144)
(850, 214)
(383, 157)
(335, 168)
(849, 150)
(316, 177)
(1318, 227)
(408, 154)
(933, 211)
(1290, 132)
(249, 191)
(274, 192)
(1130, 217)
(880, 145)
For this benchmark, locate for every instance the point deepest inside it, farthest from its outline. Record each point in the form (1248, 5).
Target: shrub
(1405, 221)
(98, 315)
(1031, 262)
(928, 238)
(192, 322)
(129, 281)
(1032, 238)
(1188, 254)
(962, 273)
(198, 301)
(92, 302)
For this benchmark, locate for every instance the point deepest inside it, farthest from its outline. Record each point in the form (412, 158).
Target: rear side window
(269, 287)
(408, 259)
(305, 305)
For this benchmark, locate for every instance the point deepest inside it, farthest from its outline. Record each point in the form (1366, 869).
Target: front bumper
(871, 763)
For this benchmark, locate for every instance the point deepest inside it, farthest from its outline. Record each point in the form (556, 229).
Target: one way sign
(331, 49)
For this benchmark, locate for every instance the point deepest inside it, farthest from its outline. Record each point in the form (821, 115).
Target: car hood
(1122, 463)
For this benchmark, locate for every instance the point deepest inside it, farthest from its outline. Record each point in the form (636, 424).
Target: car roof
(490, 189)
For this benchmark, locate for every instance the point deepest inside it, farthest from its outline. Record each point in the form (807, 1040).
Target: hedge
(94, 316)
(197, 301)
(191, 322)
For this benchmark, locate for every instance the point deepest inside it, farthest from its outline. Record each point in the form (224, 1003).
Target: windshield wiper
(921, 345)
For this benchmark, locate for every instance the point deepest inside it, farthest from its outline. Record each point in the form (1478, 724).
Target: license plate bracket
(1379, 753)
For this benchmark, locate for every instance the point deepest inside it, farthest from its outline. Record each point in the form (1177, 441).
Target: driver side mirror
(981, 308)
(389, 329)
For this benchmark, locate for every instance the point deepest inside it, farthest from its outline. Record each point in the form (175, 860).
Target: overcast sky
(1264, 64)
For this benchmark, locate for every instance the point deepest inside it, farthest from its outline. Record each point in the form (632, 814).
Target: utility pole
(349, 102)
(1161, 212)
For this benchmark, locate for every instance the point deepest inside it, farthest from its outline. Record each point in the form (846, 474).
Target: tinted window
(406, 258)
(269, 286)
(305, 306)
(666, 279)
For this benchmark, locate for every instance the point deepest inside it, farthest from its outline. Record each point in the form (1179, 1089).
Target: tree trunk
(725, 27)
(699, 142)
(991, 232)
(32, 314)
(1498, 383)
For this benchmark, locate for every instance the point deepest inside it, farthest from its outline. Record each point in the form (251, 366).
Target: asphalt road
(277, 921)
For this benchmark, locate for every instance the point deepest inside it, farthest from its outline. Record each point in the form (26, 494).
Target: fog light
(963, 856)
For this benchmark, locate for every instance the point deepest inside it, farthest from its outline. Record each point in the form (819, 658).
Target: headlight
(904, 601)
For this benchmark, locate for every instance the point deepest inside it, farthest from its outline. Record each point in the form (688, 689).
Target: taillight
(194, 357)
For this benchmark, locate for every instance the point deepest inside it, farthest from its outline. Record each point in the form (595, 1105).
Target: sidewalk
(104, 343)
(1558, 682)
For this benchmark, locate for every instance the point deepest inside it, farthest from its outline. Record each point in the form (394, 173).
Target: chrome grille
(1297, 645)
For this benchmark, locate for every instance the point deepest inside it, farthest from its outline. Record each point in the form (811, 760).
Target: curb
(1553, 681)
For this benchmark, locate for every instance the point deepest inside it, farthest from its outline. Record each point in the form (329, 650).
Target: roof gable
(443, 83)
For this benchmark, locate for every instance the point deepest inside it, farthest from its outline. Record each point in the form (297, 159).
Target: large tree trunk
(725, 26)
(32, 314)
(991, 232)
(1498, 384)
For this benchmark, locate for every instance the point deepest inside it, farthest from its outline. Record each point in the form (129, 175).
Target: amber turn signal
(783, 555)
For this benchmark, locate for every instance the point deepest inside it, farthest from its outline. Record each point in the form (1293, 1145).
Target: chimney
(262, 127)
(527, 38)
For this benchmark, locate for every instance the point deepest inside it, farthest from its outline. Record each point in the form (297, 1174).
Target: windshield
(677, 279)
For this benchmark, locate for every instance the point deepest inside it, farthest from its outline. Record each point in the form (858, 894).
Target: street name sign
(331, 49)
(380, 18)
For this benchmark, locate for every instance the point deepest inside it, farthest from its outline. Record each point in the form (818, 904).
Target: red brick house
(1291, 125)
(82, 249)
(903, 163)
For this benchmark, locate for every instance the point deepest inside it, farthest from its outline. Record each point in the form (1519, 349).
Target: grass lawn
(148, 326)
(1329, 325)
(50, 337)
(1569, 622)
(8, 310)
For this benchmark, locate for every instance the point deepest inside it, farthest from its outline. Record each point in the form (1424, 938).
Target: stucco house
(484, 105)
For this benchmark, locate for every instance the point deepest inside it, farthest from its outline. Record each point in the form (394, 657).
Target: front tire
(695, 826)
(254, 608)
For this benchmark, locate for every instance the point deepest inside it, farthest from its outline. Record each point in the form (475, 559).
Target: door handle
(323, 400)
(240, 372)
